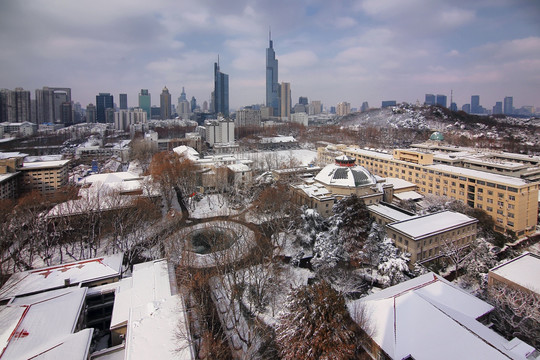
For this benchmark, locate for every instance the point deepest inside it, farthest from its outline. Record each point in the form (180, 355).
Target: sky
(333, 51)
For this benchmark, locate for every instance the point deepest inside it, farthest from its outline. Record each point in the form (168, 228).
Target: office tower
(285, 100)
(103, 101)
(343, 108)
(364, 107)
(387, 103)
(303, 100)
(49, 104)
(165, 104)
(221, 91)
(475, 104)
(272, 85)
(441, 100)
(453, 106)
(90, 113)
(193, 103)
(315, 107)
(508, 105)
(466, 108)
(498, 108)
(144, 102)
(123, 102)
(430, 99)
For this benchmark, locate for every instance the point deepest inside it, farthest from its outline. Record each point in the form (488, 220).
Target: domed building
(436, 136)
(338, 180)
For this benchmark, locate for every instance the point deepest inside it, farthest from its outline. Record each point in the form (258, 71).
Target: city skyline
(353, 51)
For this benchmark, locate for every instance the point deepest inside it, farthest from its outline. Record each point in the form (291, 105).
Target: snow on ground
(210, 206)
(303, 156)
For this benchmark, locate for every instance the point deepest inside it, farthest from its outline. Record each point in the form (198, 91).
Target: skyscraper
(90, 113)
(441, 100)
(14, 105)
(221, 91)
(430, 99)
(123, 102)
(498, 108)
(103, 101)
(165, 104)
(475, 104)
(272, 85)
(285, 100)
(144, 102)
(49, 104)
(508, 105)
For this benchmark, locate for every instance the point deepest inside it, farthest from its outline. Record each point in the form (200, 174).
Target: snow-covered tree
(317, 325)
(479, 260)
(393, 265)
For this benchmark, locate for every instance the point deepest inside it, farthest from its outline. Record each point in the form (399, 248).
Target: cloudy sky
(341, 50)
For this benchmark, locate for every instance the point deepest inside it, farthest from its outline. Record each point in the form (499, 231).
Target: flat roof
(408, 195)
(44, 164)
(4, 177)
(389, 212)
(53, 277)
(523, 270)
(487, 176)
(399, 183)
(431, 224)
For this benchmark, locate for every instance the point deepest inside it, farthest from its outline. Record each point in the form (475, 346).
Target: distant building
(219, 131)
(22, 129)
(498, 108)
(303, 100)
(44, 176)
(453, 106)
(475, 104)
(441, 100)
(285, 100)
(343, 108)
(315, 107)
(193, 103)
(364, 107)
(300, 118)
(221, 92)
(508, 105)
(248, 117)
(123, 119)
(272, 85)
(15, 106)
(90, 113)
(145, 103)
(103, 101)
(388, 103)
(165, 104)
(49, 102)
(123, 102)
(466, 108)
(430, 99)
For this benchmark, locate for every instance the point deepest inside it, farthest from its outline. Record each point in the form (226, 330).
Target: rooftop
(431, 224)
(44, 164)
(390, 212)
(502, 179)
(523, 271)
(351, 177)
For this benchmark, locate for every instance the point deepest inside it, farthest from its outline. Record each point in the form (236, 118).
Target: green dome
(436, 136)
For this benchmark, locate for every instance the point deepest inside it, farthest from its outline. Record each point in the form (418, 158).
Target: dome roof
(335, 175)
(436, 136)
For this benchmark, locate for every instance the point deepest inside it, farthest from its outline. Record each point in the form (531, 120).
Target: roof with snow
(408, 195)
(524, 271)
(8, 155)
(429, 225)
(399, 184)
(390, 212)
(54, 277)
(44, 164)
(430, 318)
(43, 326)
(344, 176)
(503, 179)
(187, 151)
(278, 139)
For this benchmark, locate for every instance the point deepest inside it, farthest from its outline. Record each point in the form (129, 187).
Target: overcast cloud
(355, 51)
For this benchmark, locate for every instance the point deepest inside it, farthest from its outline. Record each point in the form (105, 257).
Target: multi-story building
(300, 118)
(123, 119)
(221, 91)
(123, 102)
(315, 107)
(91, 113)
(343, 108)
(388, 103)
(103, 101)
(44, 176)
(145, 102)
(15, 105)
(508, 105)
(430, 99)
(441, 100)
(285, 100)
(9, 176)
(520, 273)
(426, 237)
(219, 131)
(165, 104)
(498, 108)
(49, 101)
(511, 202)
(272, 85)
(248, 116)
(23, 129)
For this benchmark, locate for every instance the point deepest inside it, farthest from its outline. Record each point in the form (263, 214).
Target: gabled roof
(430, 318)
(54, 277)
(42, 326)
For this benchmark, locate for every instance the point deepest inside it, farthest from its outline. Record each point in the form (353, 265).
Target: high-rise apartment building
(248, 116)
(165, 104)
(123, 102)
(103, 101)
(221, 91)
(441, 100)
(15, 105)
(285, 100)
(343, 108)
(145, 103)
(272, 85)
(430, 99)
(91, 113)
(498, 108)
(315, 107)
(49, 102)
(475, 104)
(508, 105)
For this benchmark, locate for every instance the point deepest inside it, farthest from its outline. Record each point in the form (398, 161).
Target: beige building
(424, 237)
(512, 202)
(521, 273)
(343, 108)
(45, 176)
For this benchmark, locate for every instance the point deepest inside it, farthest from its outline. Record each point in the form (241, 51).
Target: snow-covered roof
(399, 183)
(4, 177)
(277, 139)
(523, 271)
(44, 164)
(502, 179)
(184, 150)
(389, 212)
(54, 277)
(110, 178)
(432, 224)
(8, 155)
(408, 195)
(351, 177)
(315, 190)
(239, 167)
(42, 326)
(430, 318)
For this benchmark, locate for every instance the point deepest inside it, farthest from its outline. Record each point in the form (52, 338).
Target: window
(500, 203)
(490, 201)
(499, 211)
(479, 197)
(511, 197)
(510, 223)
(489, 208)
(480, 190)
(511, 215)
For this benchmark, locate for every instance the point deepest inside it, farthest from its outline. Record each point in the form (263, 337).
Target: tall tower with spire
(272, 85)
